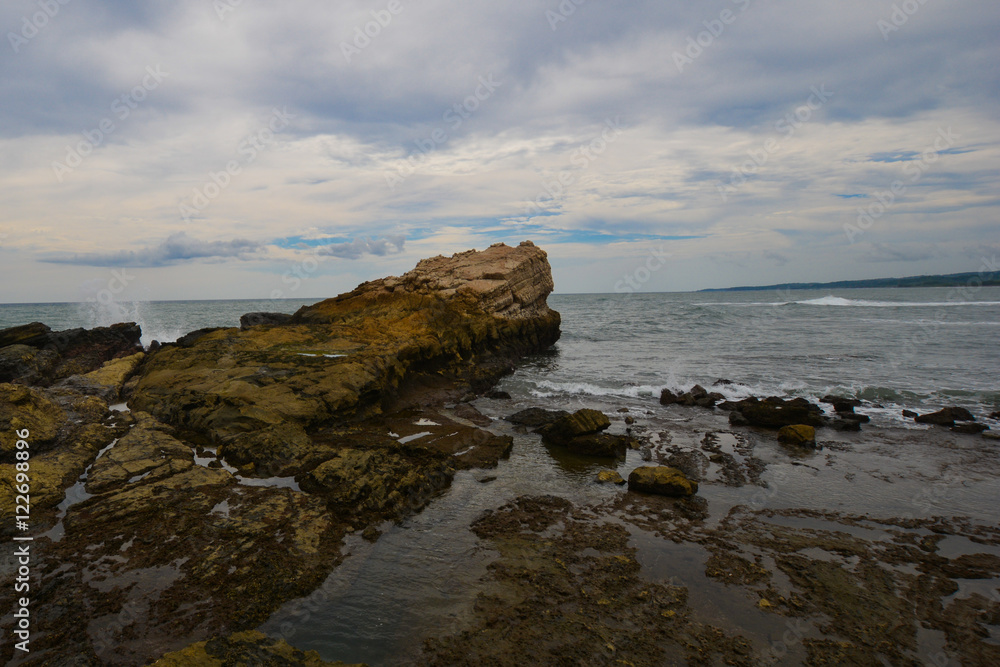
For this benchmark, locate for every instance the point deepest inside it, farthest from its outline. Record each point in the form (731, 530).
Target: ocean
(916, 348)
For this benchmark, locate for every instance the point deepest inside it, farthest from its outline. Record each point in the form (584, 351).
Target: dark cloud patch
(360, 247)
(177, 248)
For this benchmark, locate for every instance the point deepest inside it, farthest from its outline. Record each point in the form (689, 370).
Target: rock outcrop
(33, 354)
(450, 325)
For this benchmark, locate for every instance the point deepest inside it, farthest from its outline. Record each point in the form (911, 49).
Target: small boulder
(610, 477)
(995, 415)
(910, 414)
(599, 444)
(661, 480)
(802, 435)
(581, 422)
(946, 417)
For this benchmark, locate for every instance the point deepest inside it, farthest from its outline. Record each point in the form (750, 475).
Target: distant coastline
(949, 280)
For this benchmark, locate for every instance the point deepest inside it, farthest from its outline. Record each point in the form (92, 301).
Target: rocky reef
(248, 453)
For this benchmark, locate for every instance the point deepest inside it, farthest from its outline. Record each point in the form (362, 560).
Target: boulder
(946, 417)
(995, 415)
(776, 412)
(668, 397)
(910, 414)
(599, 444)
(581, 422)
(535, 417)
(798, 434)
(661, 480)
(610, 477)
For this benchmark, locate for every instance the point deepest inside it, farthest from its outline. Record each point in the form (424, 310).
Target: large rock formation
(450, 325)
(347, 397)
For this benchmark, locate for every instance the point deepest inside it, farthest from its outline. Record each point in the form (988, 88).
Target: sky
(246, 149)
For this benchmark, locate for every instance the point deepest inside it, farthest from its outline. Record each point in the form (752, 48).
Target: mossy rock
(802, 435)
(661, 480)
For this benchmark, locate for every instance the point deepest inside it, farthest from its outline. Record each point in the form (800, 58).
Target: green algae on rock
(661, 480)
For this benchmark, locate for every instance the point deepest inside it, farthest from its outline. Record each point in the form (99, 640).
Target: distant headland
(949, 280)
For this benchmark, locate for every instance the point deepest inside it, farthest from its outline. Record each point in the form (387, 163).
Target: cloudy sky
(250, 149)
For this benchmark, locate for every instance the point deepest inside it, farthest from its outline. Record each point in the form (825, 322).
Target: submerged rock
(946, 417)
(661, 480)
(798, 434)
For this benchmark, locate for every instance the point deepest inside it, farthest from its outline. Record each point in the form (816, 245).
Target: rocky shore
(686, 530)
(246, 454)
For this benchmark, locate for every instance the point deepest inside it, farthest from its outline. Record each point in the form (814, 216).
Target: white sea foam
(831, 300)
